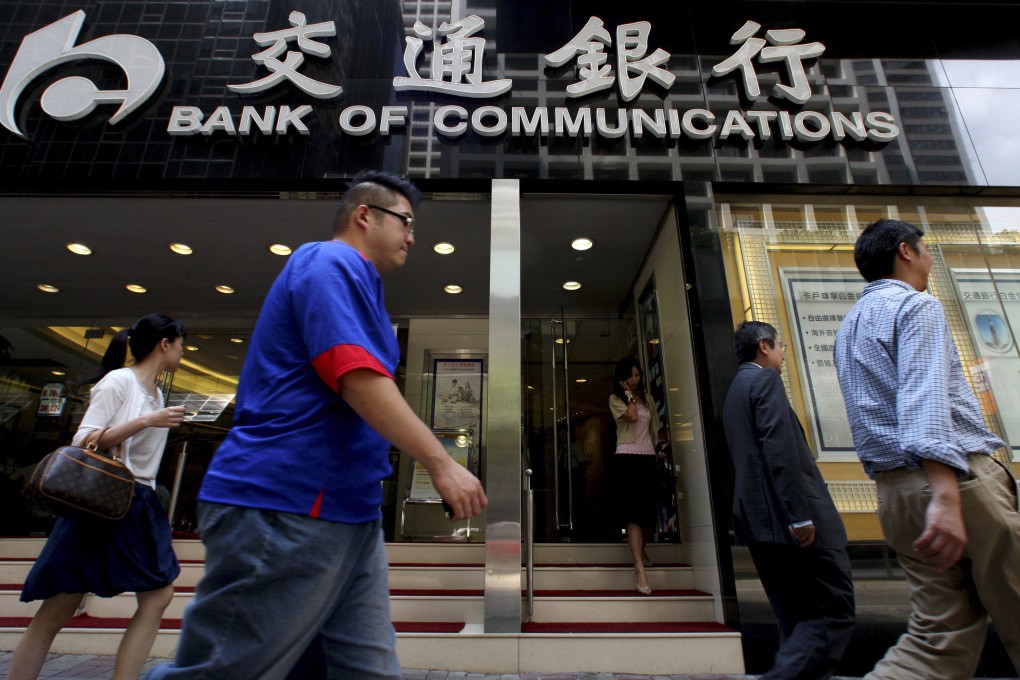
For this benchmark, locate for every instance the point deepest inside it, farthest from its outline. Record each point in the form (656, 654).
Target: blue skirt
(134, 554)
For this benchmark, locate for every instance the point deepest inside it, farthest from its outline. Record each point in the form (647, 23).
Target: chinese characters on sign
(588, 47)
(276, 42)
(52, 400)
(454, 67)
(784, 46)
(816, 302)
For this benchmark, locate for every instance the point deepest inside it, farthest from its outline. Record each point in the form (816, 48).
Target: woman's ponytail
(142, 338)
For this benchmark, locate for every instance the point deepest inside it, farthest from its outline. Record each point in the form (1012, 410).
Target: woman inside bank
(637, 425)
(135, 553)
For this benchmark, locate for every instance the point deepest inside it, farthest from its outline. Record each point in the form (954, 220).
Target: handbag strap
(91, 443)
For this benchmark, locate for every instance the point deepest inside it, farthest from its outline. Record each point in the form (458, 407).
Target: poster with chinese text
(816, 302)
(457, 394)
(990, 302)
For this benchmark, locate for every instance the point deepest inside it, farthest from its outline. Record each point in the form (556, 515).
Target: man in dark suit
(783, 512)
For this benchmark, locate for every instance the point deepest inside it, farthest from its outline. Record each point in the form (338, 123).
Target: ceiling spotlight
(571, 285)
(79, 248)
(453, 289)
(191, 348)
(181, 248)
(237, 341)
(653, 341)
(582, 243)
(562, 341)
(47, 288)
(57, 373)
(581, 380)
(443, 248)
(226, 290)
(280, 249)
(135, 288)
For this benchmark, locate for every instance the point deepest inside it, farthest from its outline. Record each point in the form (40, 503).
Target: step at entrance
(587, 614)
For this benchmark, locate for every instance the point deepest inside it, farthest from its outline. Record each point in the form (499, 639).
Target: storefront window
(42, 402)
(791, 264)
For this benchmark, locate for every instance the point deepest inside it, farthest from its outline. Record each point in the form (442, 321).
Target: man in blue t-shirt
(290, 507)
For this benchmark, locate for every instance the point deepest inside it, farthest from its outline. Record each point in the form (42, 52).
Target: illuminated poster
(817, 300)
(459, 446)
(990, 302)
(51, 399)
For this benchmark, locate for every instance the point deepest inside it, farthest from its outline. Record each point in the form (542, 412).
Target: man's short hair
(373, 187)
(875, 250)
(748, 335)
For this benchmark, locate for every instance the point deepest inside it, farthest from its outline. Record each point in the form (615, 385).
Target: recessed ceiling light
(57, 373)
(560, 341)
(181, 248)
(582, 243)
(581, 380)
(571, 285)
(135, 288)
(226, 290)
(443, 248)
(47, 288)
(280, 249)
(191, 348)
(79, 248)
(237, 341)
(453, 289)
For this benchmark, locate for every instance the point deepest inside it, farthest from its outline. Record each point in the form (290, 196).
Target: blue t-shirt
(295, 445)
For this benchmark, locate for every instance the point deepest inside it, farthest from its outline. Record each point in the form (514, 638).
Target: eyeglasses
(408, 221)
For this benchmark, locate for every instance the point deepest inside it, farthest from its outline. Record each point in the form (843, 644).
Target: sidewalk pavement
(84, 667)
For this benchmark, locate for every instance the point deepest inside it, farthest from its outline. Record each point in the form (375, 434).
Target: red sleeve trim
(317, 506)
(332, 364)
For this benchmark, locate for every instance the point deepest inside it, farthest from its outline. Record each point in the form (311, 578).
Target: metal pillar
(503, 455)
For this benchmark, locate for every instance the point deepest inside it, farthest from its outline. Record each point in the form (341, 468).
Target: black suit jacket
(777, 481)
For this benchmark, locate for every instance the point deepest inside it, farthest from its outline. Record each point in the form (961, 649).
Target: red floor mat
(87, 621)
(641, 627)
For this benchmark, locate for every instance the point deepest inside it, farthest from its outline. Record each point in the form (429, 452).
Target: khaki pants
(950, 609)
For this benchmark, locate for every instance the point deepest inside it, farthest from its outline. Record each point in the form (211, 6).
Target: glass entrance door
(568, 431)
(581, 258)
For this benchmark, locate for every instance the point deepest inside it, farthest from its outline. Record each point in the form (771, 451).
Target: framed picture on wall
(457, 393)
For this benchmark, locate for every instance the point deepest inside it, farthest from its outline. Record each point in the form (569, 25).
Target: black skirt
(134, 554)
(636, 489)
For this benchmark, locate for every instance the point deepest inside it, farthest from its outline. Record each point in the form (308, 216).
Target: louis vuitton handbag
(81, 482)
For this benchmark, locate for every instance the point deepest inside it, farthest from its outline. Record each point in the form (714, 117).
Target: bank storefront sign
(448, 61)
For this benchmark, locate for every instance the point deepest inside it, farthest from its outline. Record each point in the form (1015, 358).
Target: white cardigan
(116, 399)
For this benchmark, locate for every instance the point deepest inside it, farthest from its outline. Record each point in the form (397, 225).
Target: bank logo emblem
(75, 97)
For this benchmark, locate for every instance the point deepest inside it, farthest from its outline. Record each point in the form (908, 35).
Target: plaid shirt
(903, 383)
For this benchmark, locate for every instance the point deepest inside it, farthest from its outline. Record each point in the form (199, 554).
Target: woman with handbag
(637, 427)
(133, 554)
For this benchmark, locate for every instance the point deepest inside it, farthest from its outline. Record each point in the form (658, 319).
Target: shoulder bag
(81, 482)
